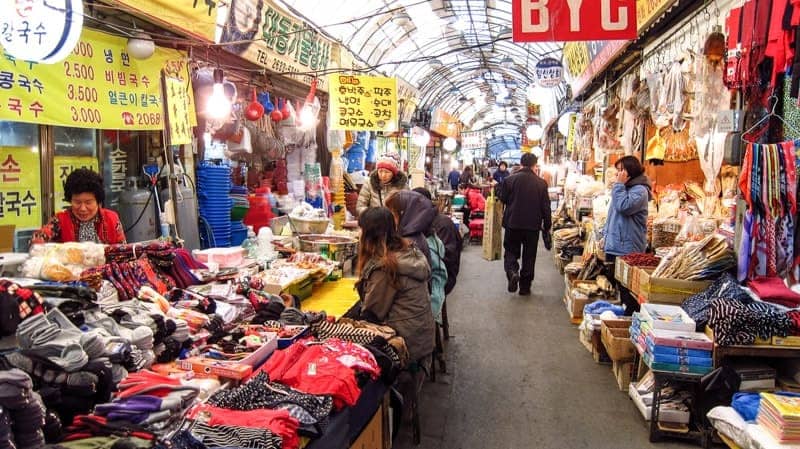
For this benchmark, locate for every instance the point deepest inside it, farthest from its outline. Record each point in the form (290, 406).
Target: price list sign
(98, 86)
(363, 103)
(177, 109)
(20, 188)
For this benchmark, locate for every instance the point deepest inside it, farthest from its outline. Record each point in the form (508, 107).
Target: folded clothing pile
(22, 414)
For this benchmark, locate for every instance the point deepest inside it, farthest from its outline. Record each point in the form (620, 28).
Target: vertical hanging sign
(178, 127)
(573, 20)
(20, 188)
(363, 103)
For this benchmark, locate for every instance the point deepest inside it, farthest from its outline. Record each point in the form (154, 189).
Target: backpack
(438, 275)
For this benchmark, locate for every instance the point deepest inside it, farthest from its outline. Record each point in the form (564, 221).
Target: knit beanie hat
(389, 162)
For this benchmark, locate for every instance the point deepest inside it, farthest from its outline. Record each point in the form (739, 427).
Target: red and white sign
(573, 20)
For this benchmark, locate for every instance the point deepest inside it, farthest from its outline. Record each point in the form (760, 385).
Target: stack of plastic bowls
(213, 190)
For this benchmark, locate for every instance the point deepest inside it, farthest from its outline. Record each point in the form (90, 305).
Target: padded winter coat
(404, 305)
(373, 194)
(626, 226)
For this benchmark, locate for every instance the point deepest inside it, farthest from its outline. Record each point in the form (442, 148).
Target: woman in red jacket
(85, 220)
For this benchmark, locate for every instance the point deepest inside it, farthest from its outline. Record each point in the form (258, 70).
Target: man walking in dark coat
(527, 213)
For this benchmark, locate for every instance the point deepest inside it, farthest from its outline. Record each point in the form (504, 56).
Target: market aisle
(518, 377)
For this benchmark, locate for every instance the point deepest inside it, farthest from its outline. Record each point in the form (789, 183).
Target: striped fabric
(241, 437)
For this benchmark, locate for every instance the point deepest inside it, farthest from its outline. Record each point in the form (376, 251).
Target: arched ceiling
(483, 76)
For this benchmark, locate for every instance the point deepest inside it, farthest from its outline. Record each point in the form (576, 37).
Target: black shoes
(525, 291)
(513, 282)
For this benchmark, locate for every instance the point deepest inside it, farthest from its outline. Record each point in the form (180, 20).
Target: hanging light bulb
(218, 106)
(507, 62)
(308, 119)
(534, 132)
(141, 46)
(435, 63)
(449, 144)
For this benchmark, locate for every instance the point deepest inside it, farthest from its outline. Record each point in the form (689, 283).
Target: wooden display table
(769, 351)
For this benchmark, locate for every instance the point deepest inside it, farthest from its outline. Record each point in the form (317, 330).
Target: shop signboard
(267, 35)
(62, 167)
(20, 187)
(176, 107)
(473, 140)
(444, 124)
(194, 17)
(573, 20)
(41, 30)
(362, 103)
(585, 60)
(98, 86)
(549, 72)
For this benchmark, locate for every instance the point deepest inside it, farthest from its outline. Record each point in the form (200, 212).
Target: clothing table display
(111, 361)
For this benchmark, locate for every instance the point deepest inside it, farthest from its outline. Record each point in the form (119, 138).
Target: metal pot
(334, 247)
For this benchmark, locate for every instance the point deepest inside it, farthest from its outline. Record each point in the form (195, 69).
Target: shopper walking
(385, 180)
(527, 213)
(452, 179)
(625, 231)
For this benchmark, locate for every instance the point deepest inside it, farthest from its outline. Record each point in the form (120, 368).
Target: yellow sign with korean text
(576, 57)
(62, 167)
(267, 35)
(98, 86)
(20, 188)
(194, 17)
(176, 103)
(362, 103)
(649, 10)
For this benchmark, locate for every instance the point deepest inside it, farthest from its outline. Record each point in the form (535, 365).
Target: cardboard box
(372, 435)
(7, 238)
(592, 342)
(493, 229)
(616, 338)
(636, 279)
(651, 312)
(667, 291)
(622, 272)
(219, 368)
(622, 372)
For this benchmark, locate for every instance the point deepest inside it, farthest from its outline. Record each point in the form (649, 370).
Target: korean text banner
(177, 106)
(573, 20)
(363, 103)
(267, 35)
(20, 188)
(194, 17)
(98, 86)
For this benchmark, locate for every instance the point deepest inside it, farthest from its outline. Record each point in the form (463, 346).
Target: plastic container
(225, 257)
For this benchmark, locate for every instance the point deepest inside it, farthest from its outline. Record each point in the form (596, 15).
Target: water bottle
(250, 244)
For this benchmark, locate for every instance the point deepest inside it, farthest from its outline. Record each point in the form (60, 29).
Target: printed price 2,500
(78, 70)
(85, 115)
(82, 93)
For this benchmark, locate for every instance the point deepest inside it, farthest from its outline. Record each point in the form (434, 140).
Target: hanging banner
(647, 11)
(362, 103)
(473, 140)
(62, 167)
(585, 60)
(573, 20)
(20, 188)
(176, 105)
(263, 33)
(192, 17)
(445, 124)
(98, 86)
(41, 30)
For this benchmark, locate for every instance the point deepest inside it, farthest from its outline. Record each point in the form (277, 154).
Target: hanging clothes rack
(773, 101)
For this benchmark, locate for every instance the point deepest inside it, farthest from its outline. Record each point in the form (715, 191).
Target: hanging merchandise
(276, 114)
(255, 110)
(768, 183)
(263, 98)
(656, 148)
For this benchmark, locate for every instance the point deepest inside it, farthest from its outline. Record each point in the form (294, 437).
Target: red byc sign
(573, 20)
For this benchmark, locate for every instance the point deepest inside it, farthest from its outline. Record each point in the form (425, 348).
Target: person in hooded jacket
(625, 231)
(445, 229)
(415, 215)
(393, 282)
(385, 180)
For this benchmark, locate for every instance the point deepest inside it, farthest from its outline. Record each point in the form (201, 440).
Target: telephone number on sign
(85, 115)
(151, 118)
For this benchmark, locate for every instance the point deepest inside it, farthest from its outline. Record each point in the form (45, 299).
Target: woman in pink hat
(385, 180)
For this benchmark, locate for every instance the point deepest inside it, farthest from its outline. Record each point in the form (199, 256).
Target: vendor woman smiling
(85, 220)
